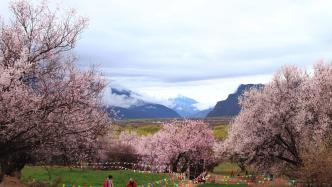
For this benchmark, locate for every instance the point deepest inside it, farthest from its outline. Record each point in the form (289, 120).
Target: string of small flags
(121, 165)
(118, 163)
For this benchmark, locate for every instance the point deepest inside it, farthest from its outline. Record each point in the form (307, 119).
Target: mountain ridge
(230, 107)
(137, 108)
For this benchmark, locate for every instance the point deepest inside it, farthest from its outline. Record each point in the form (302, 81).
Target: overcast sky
(202, 49)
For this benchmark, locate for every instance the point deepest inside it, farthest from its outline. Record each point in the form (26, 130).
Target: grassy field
(220, 131)
(86, 176)
(213, 121)
(96, 177)
(145, 127)
(142, 130)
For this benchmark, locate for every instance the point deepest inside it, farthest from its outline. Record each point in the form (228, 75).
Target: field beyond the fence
(89, 177)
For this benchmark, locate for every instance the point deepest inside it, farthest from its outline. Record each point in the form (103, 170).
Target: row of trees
(49, 110)
(284, 126)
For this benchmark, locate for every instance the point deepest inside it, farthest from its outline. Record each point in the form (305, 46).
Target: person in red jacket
(131, 183)
(106, 184)
(108, 181)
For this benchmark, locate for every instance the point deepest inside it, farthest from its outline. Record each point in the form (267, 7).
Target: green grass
(147, 129)
(222, 185)
(86, 176)
(220, 132)
(142, 130)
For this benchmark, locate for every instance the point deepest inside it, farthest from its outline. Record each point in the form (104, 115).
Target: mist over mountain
(184, 106)
(129, 105)
(230, 106)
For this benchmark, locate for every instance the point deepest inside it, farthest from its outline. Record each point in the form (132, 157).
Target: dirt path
(11, 182)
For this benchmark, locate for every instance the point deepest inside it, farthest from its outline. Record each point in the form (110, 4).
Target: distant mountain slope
(145, 111)
(202, 113)
(230, 106)
(129, 105)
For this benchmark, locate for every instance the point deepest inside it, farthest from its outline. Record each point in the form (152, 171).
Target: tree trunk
(13, 164)
(242, 166)
(180, 164)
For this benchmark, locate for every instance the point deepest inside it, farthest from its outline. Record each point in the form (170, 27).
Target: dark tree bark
(13, 164)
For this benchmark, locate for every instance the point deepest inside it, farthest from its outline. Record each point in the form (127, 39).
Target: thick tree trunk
(13, 164)
(242, 166)
(180, 164)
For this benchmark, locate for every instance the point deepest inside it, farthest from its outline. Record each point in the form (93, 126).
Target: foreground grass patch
(86, 176)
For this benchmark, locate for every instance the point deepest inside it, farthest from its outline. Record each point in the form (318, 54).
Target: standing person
(110, 181)
(106, 183)
(232, 174)
(131, 183)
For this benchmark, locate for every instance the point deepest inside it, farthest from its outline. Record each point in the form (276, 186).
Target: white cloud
(206, 92)
(200, 48)
(114, 99)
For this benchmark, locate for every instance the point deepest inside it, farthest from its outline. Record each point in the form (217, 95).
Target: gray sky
(200, 48)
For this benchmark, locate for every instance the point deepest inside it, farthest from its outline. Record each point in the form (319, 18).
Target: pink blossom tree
(177, 145)
(49, 108)
(282, 121)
